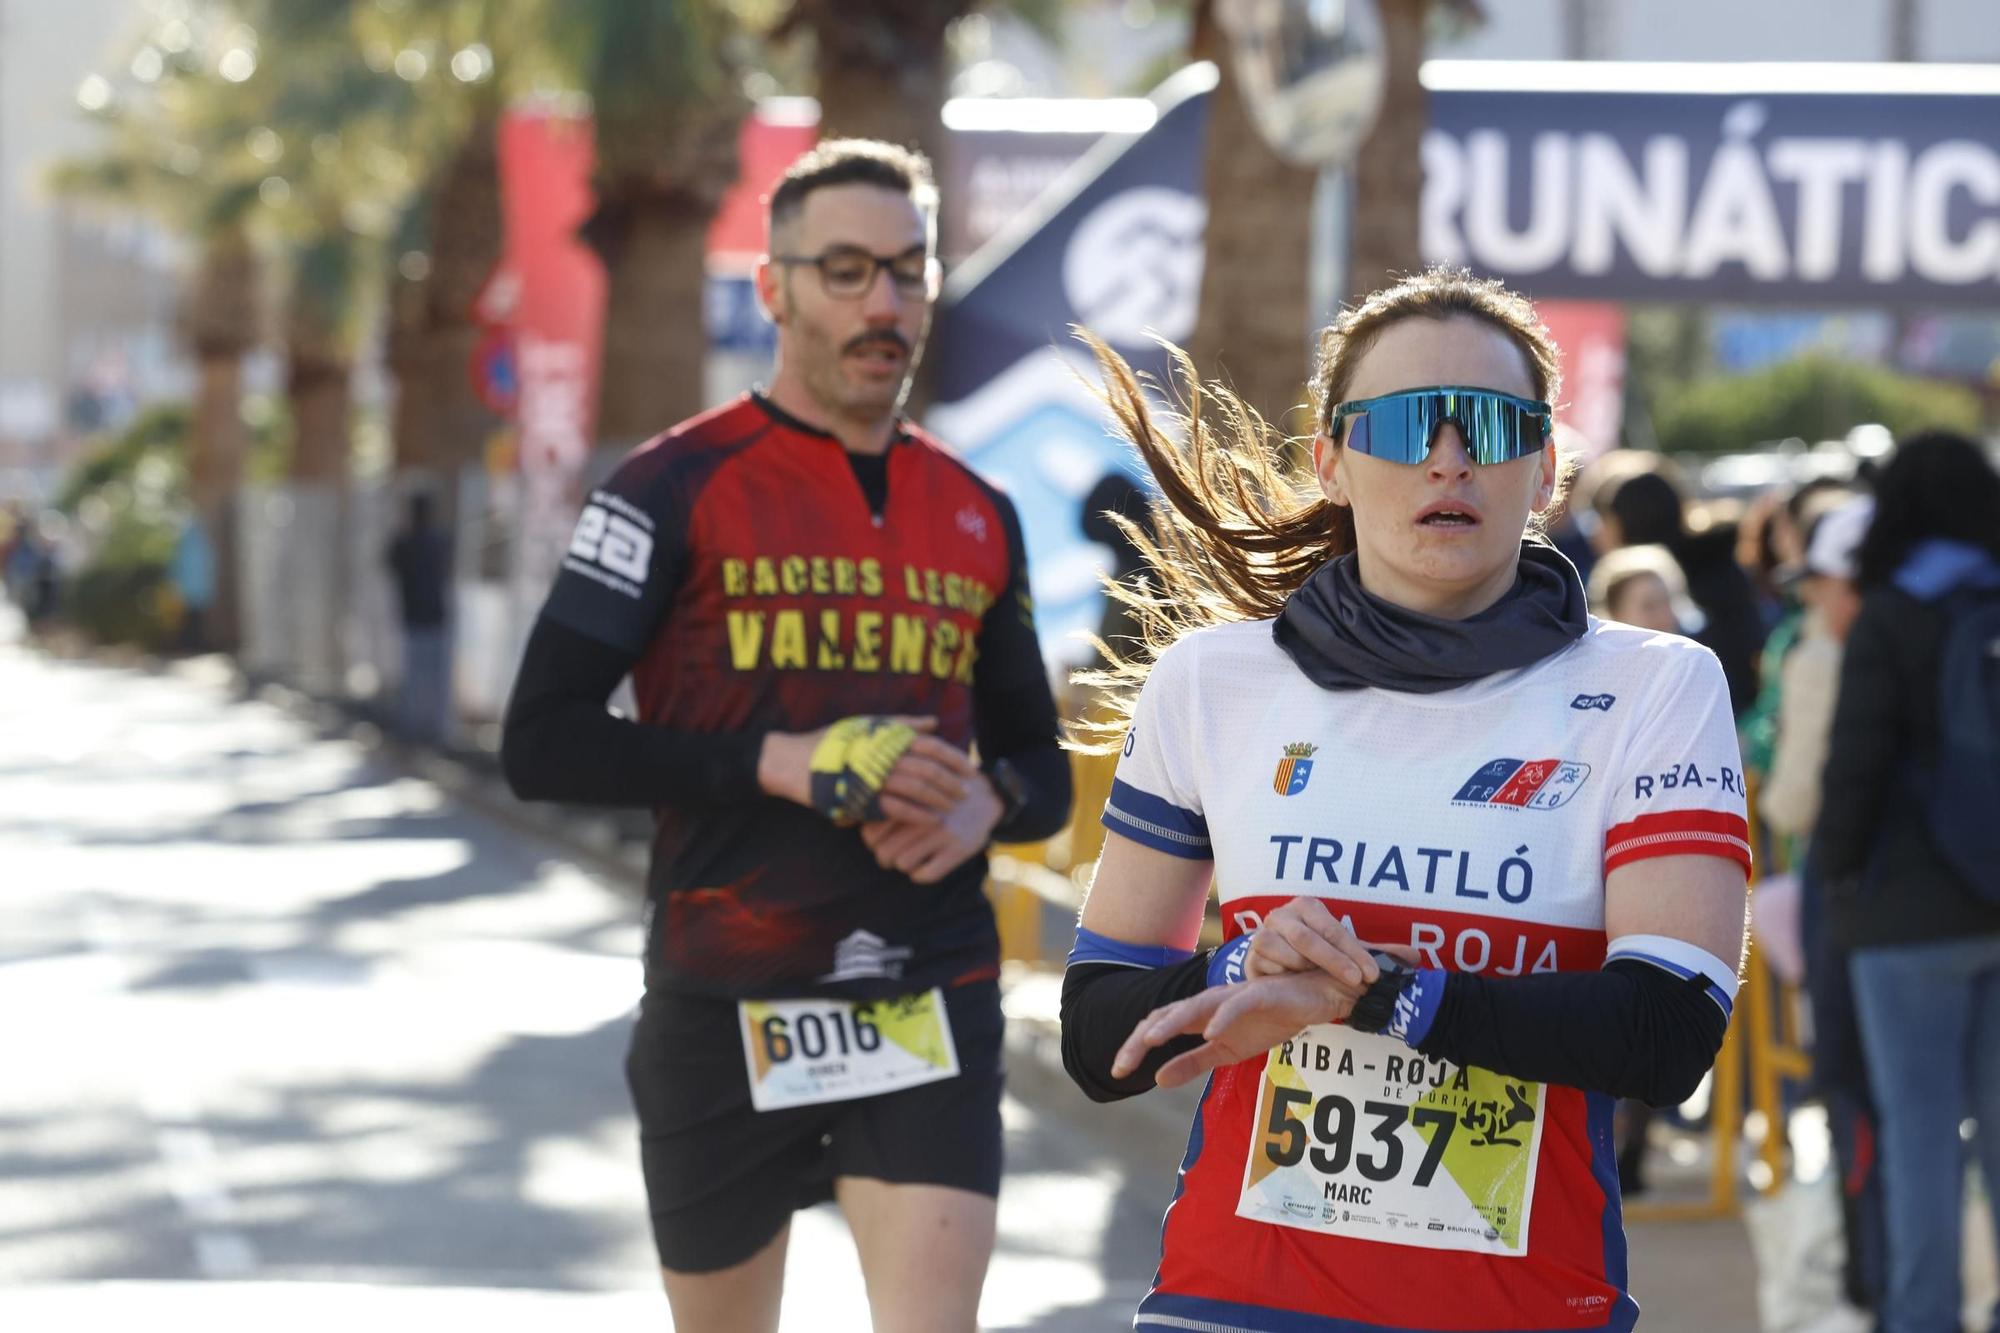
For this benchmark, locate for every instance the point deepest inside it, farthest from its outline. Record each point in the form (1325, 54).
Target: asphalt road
(292, 1038)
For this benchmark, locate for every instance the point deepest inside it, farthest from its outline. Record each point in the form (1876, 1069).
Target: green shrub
(1813, 398)
(128, 495)
(121, 595)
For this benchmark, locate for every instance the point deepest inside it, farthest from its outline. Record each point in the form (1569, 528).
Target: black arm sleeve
(1103, 1002)
(1631, 1030)
(560, 743)
(1014, 714)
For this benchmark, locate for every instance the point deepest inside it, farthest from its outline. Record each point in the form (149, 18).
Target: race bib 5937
(1357, 1135)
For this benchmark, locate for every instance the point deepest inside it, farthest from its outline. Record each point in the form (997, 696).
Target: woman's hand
(1303, 935)
(1235, 1022)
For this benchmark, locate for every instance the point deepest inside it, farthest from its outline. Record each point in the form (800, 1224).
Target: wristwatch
(1009, 786)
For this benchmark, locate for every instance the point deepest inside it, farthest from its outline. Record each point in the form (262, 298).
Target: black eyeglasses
(847, 271)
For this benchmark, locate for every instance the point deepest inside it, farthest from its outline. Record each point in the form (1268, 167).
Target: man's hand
(933, 845)
(927, 779)
(1235, 1023)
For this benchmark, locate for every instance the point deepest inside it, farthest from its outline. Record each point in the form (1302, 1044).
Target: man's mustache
(881, 337)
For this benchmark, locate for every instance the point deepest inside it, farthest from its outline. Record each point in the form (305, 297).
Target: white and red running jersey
(1343, 1182)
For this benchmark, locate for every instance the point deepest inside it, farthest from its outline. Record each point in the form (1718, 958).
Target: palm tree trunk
(1389, 171)
(220, 323)
(466, 240)
(903, 104)
(1252, 329)
(413, 441)
(318, 386)
(880, 67)
(655, 340)
(215, 461)
(215, 474)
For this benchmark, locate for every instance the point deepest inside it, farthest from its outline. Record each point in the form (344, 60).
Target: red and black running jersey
(738, 561)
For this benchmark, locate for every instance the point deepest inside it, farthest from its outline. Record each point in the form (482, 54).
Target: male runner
(821, 611)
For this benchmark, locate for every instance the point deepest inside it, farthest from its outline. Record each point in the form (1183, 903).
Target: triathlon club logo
(1295, 769)
(1524, 784)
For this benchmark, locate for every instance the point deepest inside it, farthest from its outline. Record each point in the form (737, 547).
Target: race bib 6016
(1357, 1135)
(799, 1052)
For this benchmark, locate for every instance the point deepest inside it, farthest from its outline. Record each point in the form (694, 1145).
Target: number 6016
(838, 1032)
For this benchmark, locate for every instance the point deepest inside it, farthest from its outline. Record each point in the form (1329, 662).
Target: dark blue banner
(1116, 246)
(1855, 199)
(1860, 199)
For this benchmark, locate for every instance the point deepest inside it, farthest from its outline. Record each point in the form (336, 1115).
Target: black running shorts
(723, 1178)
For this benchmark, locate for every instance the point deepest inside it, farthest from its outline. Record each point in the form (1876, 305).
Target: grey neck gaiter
(1346, 638)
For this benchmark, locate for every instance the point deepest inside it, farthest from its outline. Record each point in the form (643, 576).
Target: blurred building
(86, 300)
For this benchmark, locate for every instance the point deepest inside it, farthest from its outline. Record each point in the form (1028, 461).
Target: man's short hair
(854, 162)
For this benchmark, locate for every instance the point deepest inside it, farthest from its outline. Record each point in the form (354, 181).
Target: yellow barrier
(1766, 1022)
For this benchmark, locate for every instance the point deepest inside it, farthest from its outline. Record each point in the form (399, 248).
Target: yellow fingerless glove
(850, 764)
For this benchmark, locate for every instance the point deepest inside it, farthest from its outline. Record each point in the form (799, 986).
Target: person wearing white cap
(1808, 688)
(1810, 676)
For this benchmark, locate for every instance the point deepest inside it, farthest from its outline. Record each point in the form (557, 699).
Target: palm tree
(220, 323)
(879, 66)
(1251, 328)
(1388, 171)
(1254, 319)
(464, 237)
(666, 96)
(162, 157)
(486, 53)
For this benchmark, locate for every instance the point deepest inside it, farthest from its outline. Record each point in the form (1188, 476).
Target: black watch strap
(1009, 786)
(1377, 1005)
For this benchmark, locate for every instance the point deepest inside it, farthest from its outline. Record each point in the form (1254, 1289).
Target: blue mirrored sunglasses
(1400, 427)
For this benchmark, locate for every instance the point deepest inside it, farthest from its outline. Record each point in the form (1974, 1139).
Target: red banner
(544, 304)
(1591, 337)
(772, 137)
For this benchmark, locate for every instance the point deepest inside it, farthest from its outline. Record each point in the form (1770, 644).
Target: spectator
(191, 571)
(1116, 494)
(1774, 559)
(1925, 940)
(1809, 676)
(1643, 586)
(31, 575)
(420, 559)
(1805, 684)
(1568, 526)
(1647, 507)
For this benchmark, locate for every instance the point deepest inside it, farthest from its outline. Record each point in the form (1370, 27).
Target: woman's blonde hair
(1241, 523)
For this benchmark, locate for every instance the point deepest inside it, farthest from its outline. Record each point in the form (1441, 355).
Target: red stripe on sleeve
(1678, 833)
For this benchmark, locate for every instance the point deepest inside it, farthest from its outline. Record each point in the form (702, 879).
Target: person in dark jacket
(1117, 494)
(419, 559)
(1924, 946)
(1645, 507)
